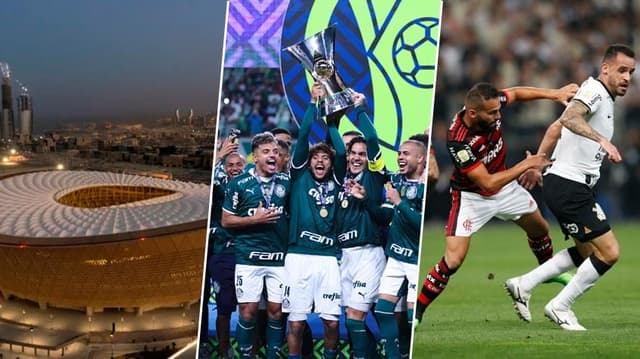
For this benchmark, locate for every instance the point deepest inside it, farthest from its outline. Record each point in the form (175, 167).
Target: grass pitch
(474, 318)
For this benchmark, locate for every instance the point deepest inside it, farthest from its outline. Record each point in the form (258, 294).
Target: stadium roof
(34, 212)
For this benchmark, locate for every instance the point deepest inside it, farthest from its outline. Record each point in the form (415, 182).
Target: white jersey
(578, 158)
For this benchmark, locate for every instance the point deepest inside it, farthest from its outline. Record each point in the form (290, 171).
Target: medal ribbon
(267, 192)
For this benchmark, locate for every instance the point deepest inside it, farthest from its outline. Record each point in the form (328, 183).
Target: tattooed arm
(573, 118)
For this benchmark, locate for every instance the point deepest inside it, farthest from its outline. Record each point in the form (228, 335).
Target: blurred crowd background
(544, 44)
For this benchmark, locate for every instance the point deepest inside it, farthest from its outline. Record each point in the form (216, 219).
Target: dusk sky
(113, 59)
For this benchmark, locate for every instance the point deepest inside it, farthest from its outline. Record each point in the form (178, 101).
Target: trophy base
(336, 102)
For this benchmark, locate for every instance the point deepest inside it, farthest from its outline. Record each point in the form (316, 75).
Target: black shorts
(575, 207)
(222, 268)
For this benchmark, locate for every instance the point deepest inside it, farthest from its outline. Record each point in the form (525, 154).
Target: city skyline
(114, 60)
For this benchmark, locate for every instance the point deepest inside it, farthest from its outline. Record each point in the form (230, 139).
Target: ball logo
(414, 52)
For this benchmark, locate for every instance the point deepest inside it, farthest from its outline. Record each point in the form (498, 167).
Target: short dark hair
(261, 139)
(283, 144)
(322, 147)
(357, 139)
(279, 130)
(613, 50)
(479, 93)
(352, 133)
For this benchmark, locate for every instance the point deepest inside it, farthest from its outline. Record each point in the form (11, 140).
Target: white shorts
(311, 279)
(250, 282)
(394, 275)
(361, 269)
(470, 211)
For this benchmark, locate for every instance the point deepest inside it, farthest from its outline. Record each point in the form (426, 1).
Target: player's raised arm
(340, 161)
(526, 93)
(301, 151)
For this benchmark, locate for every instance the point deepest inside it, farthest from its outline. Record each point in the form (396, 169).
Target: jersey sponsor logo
(595, 99)
(252, 211)
(331, 296)
(315, 194)
(267, 256)
(359, 284)
(491, 155)
(313, 237)
(405, 252)
(347, 236)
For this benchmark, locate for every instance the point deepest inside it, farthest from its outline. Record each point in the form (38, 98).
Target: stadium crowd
(544, 44)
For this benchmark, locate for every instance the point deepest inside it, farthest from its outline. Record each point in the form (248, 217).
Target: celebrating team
(312, 239)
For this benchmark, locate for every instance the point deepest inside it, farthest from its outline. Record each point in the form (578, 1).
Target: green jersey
(404, 232)
(262, 244)
(220, 241)
(312, 203)
(356, 227)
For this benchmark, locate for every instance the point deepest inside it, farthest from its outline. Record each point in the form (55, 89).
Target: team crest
(239, 292)
(412, 191)
(331, 186)
(286, 303)
(280, 191)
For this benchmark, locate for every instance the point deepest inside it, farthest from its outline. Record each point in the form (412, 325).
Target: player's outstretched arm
(526, 93)
(492, 182)
(532, 177)
(573, 118)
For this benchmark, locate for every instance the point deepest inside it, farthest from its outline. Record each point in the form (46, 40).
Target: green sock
(359, 338)
(275, 336)
(388, 328)
(244, 335)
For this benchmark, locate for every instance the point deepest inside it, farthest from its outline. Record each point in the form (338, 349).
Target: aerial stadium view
(105, 164)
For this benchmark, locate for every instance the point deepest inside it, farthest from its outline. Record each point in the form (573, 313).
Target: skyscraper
(25, 109)
(7, 129)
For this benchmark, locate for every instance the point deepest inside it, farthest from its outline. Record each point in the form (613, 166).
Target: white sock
(558, 264)
(585, 278)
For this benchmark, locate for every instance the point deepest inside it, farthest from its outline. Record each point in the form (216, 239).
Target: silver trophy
(316, 55)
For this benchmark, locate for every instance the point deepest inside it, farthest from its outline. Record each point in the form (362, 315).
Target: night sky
(115, 59)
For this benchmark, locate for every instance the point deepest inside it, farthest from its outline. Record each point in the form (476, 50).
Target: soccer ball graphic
(414, 51)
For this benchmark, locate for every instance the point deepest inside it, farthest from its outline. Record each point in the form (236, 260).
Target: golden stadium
(95, 260)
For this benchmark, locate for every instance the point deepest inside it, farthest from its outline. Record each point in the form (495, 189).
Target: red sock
(433, 285)
(541, 247)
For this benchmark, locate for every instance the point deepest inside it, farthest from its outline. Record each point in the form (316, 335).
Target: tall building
(7, 129)
(25, 108)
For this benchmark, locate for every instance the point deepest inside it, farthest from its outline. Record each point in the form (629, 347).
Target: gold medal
(323, 212)
(345, 203)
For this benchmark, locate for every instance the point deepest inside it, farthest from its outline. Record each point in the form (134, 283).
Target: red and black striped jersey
(469, 148)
